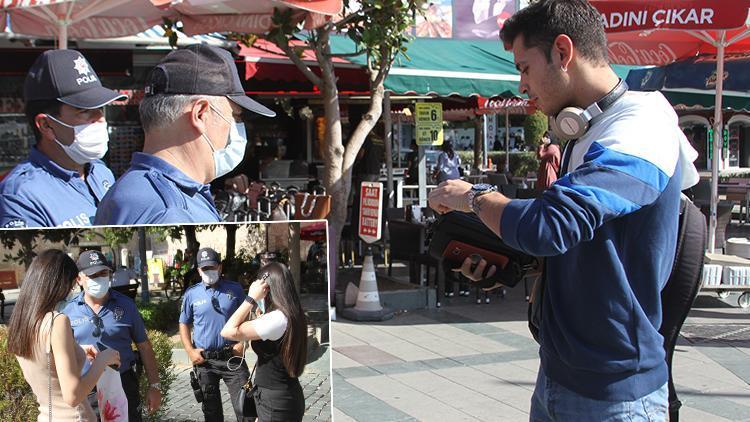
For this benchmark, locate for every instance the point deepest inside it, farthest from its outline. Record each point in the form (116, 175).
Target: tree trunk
(337, 177)
(231, 239)
(27, 246)
(192, 242)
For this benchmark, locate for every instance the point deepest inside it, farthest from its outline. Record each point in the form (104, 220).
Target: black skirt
(280, 405)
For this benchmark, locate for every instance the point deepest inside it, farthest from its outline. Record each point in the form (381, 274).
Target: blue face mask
(63, 303)
(226, 159)
(262, 305)
(262, 302)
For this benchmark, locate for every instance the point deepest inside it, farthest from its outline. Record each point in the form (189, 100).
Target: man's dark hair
(541, 22)
(33, 108)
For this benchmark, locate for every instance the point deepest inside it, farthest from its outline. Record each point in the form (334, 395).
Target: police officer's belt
(223, 354)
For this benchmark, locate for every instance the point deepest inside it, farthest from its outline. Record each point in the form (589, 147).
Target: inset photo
(216, 322)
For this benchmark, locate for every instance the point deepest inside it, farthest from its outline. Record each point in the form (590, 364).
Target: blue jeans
(553, 402)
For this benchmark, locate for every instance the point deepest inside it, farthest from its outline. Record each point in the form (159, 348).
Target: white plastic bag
(113, 403)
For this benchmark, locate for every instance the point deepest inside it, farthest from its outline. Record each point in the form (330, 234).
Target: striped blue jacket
(608, 229)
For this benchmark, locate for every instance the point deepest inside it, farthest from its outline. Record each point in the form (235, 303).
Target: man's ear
(42, 123)
(199, 111)
(562, 51)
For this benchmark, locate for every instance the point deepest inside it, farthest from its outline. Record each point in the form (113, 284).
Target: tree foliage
(534, 127)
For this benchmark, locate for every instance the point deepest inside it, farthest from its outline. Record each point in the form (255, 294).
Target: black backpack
(677, 296)
(683, 285)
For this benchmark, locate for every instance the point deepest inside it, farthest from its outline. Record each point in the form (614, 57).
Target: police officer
(63, 180)
(192, 120)
(109, 319)
(206, 307)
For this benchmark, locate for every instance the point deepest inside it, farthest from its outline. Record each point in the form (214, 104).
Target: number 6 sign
(429, 119)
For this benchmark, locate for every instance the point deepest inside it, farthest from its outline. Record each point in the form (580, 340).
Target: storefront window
(697, 136)
(734, 145)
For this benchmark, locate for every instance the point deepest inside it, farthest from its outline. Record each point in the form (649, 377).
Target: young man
(192, 119)
(206, 307)
(64, 178)
(607, 227)
(107, 318)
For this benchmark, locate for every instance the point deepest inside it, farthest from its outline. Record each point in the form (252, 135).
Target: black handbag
(247, 397)
(457, 235)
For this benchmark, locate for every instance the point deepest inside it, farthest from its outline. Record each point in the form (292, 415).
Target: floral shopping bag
(113, 404)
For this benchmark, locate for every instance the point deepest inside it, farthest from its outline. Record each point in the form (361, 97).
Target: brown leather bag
(311, 207)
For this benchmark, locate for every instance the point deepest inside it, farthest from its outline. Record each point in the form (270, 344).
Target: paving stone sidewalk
(315, 385)
(469, 362)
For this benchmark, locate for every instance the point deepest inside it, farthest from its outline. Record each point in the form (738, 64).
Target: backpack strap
(679, 293)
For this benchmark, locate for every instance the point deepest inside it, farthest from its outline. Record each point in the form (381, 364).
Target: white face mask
(89, 144)
(98, 287)
(230, 156)
(210, 277)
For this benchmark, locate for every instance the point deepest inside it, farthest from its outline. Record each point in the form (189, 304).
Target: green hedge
(17, 401)
(161, 316)
(520, 162)
(163, 350)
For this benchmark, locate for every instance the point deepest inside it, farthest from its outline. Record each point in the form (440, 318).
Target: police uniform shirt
(41, 193)
(153, 191)
(121, 326)
(199, 311)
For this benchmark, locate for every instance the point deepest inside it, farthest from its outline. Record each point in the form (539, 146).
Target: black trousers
(130, 386)
(280, 405)
(209, 373)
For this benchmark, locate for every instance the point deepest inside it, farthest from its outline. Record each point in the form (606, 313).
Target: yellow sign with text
(429, 119)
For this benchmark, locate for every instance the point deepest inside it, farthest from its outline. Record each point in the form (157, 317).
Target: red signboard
(660, 32)
(643, 15)
(370, 211)
(8, 280)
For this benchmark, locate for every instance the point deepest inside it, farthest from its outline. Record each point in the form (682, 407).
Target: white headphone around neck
(573, 122)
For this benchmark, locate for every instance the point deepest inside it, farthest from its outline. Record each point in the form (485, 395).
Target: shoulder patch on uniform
(119, 313)
(16, 223)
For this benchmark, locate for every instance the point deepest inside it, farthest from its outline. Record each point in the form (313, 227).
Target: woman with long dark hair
(42, 340)
(279, 337)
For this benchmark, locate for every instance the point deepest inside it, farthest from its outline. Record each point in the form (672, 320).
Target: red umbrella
(63, 19)
(647, 32)
(202, 16)
(314, 232)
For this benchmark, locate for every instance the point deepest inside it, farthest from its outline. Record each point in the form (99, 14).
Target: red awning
(265, 61)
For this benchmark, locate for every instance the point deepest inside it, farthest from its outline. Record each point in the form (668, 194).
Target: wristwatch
(249, 299)
(156, 385)
(478, 190)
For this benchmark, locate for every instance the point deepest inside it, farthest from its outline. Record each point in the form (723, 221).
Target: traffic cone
(368, 307)
(350, 294)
